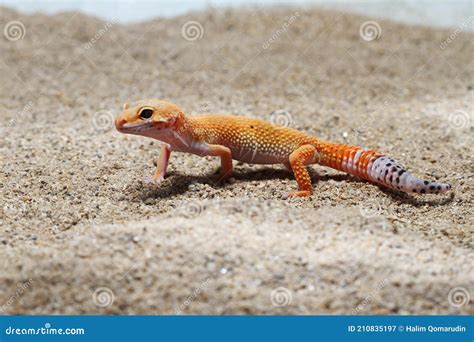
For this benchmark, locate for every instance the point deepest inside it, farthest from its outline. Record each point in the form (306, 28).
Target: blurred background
(425, 12)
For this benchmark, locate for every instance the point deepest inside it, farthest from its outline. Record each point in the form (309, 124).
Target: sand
(83, 231)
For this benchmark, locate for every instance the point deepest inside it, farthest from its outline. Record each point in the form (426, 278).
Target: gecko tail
(375, 167)
(390, 173)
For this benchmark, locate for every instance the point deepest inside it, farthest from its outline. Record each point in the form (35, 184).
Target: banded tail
(375, 167)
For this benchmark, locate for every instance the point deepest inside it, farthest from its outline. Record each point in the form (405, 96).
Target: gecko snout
(119, 122)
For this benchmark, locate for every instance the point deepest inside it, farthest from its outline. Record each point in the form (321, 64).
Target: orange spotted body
(250, 140)
(259, 142)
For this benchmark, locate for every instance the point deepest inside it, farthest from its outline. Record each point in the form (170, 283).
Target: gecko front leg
(226, 159)
(162, 164)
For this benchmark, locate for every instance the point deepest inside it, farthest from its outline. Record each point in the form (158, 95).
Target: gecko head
(148, 117)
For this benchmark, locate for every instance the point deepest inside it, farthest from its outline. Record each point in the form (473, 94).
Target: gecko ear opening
(126, 105)
(178, 117)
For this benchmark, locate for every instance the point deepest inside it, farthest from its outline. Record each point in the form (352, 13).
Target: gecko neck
(180, 136)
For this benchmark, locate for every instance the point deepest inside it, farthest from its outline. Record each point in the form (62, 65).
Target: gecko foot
(303, 193)
(154, 179)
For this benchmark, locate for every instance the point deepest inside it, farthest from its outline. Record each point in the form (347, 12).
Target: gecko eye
(146, 113)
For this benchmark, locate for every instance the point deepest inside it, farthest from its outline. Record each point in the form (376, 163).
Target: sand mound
(83, 231)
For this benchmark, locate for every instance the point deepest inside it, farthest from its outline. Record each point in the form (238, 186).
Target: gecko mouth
(133, 127)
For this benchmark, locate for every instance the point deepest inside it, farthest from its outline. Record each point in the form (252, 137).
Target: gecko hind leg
(299, 159)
